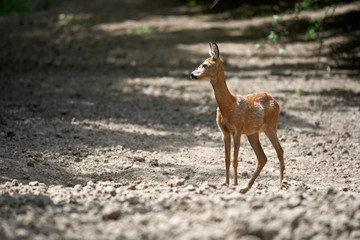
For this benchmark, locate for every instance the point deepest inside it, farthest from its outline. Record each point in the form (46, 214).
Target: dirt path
(103, 136)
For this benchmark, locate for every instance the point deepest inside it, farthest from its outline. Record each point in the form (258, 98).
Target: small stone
(132, 187)
(139, 159)
(257, 204)
(64, 111)
(176, 182)
(111, 213)
(8, 184)
(10, 134)
(34, 183)
(133, 200)
(276, 198)
(294, 202)
(245, 174)
(190, 187)
(331, 191)
(77, 187)
(154, 162)
(110, 190)
(355, 234)
(30, 164)
(90, 184)
(15, 182)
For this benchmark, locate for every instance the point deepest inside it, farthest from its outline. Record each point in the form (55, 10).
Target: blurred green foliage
(297, 93)
(13, 6)
(313, 30)
(257, 46)
(144, 29)
(192, 3)
(273, 36)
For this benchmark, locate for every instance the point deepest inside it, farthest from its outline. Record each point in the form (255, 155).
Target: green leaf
(281, 132)
(70, 17)
(192, 3)
(297, 93)
(281, 51)
(329, 9)
(144, 29)
(66, 17)
(296, 8)
(257, 46)
(275, 21)
(273, 36)
(313, 21)
(318, 40)
(305, 4)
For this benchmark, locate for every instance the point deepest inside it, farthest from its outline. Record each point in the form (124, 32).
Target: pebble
(176, 182)
(34, 183)
(78, 187)
(110, 190)
(111, 212)
(245, 174)
(190, 187)
(294, 201)
(154, 162)
(139, 159)
(331, 191)
(91, 184)
(257, 204)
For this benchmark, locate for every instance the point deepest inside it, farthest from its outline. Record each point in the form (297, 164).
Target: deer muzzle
(192, 76)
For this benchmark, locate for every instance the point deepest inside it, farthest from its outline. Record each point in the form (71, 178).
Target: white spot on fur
(259, 110)
(271, 103)
(241, 101)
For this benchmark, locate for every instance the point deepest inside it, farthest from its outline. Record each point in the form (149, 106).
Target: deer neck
(223, 96)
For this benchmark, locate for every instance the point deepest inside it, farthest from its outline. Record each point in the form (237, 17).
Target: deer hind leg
(271, 134)
(236, 156)
(227, 142)
(261, 160)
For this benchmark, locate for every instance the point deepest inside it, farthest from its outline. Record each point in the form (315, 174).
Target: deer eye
(204, 65)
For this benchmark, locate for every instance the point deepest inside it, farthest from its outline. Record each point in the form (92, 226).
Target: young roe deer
(237, 115)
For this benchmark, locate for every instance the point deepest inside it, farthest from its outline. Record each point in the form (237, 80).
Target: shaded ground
(103, 136)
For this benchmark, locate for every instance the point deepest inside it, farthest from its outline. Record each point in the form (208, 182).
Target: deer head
(210, 67)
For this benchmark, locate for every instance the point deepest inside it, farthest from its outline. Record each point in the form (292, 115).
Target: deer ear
(211, 53)
(214, 50)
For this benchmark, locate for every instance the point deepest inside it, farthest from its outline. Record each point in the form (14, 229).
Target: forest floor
(104, 136)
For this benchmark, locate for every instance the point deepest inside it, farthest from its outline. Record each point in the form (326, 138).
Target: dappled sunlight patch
(110, 124)
(170, 87)
(70, 18)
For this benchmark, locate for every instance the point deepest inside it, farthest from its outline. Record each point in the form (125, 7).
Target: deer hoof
(244, 190)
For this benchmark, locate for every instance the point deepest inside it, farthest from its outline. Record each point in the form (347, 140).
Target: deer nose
(192, 76)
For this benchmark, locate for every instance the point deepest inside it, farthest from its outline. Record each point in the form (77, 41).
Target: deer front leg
(227, 142)
(236, 156)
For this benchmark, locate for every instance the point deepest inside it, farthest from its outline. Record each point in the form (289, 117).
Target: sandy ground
(103, 136)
